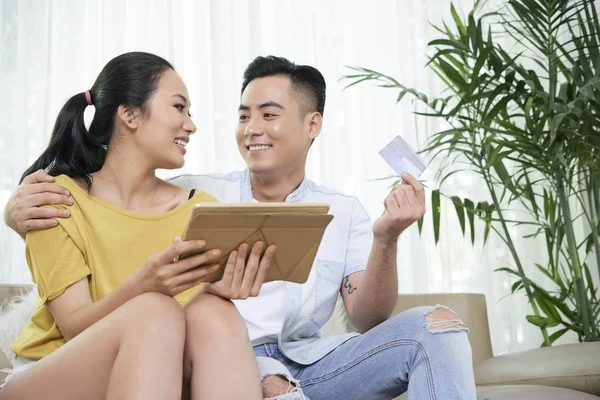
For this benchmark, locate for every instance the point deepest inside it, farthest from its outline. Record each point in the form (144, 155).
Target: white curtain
(50, 50)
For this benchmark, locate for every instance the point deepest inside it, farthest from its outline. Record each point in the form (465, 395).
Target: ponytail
(72, 150)
(129, 79)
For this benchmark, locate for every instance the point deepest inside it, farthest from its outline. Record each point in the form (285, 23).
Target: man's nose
(254, 128)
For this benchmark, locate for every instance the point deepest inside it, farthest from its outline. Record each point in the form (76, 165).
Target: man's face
(272, 133)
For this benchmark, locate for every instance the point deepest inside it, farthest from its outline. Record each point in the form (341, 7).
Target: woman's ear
(128, 117)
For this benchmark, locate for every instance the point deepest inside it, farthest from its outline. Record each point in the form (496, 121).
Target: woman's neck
(126, 184)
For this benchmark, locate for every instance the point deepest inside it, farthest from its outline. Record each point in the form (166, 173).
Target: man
(280, 115)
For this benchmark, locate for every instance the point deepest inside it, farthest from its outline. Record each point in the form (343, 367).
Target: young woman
(109, 321)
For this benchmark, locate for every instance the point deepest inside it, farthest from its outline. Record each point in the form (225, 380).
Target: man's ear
(129, 117)
(315, 122)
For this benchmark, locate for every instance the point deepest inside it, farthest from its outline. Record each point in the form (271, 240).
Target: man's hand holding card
(406, 202)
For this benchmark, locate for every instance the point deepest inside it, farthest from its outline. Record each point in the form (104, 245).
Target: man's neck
(275, 187)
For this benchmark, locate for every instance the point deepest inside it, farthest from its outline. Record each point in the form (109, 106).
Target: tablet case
(296, 229)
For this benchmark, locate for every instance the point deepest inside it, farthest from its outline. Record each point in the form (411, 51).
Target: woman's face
(165, 131)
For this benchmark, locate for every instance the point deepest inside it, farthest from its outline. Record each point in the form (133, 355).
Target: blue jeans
(400, 354)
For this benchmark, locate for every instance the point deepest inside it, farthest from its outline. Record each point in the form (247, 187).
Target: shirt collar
(294, 197)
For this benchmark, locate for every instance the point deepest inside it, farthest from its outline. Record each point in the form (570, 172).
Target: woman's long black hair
(130, 80)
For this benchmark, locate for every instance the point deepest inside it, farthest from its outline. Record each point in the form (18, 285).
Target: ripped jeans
(415, 350)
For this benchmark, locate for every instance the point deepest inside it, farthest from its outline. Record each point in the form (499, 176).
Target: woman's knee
(207, 314)
(157, 316)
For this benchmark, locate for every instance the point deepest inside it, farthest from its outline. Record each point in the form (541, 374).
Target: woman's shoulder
(71, 184)
(72, 189)
(68, 226)
(186, 194)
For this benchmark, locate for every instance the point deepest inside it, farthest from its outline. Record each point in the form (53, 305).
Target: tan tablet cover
(296, 230)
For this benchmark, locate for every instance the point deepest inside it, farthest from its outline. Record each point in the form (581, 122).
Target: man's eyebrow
(270, 104)
(243, 107)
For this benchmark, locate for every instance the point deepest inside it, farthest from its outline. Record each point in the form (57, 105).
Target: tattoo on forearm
(348, 285)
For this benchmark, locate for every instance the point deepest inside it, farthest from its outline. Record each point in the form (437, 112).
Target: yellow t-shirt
(104, 243)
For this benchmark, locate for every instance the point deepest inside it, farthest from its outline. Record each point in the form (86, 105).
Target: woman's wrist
(134, 286)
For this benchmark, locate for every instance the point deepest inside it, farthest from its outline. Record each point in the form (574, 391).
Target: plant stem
(513, 251)
(594, 205)
(580, 297)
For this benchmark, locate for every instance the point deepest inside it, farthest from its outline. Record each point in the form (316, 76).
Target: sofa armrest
(471, 307)
(571, 366)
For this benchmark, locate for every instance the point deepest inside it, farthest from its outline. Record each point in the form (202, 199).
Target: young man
(280, 115)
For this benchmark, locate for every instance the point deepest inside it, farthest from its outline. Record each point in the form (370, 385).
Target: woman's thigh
(81, 369)
(219, 361)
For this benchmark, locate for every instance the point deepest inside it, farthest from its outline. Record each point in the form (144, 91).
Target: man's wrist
(385, 241)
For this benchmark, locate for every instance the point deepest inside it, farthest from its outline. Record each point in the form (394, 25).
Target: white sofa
(567, 372)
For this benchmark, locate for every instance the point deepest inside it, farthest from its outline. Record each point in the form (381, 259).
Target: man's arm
(370, 296)
(24, 211)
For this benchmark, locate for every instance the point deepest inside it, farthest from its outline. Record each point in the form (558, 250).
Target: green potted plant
(528, 124)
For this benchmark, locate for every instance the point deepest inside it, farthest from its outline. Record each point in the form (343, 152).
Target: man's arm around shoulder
(24, 210)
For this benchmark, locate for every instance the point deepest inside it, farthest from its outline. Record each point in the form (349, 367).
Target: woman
(108, 321)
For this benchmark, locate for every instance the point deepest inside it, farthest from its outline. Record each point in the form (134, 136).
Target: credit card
(402, 158)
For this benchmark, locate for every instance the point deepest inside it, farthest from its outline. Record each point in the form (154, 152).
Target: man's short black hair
(307, 82)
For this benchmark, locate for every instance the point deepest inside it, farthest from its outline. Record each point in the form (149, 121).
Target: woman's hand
(162, 274)
(240, 279)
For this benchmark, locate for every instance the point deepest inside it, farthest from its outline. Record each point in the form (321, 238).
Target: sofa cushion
(530, 392)
(573, 366)
(525, 392)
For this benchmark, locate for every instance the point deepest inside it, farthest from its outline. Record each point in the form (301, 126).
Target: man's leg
(277, 381)
(424, 349)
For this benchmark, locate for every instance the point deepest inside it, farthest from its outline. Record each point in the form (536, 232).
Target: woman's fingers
(251, 269)
(263, 267)
(167, 256)
(239, 269)
(227, 279)
(207, 257)
(180, 247)
(240, 279)
(193, 277)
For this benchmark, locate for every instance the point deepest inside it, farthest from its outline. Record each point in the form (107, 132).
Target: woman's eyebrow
(182, 97)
